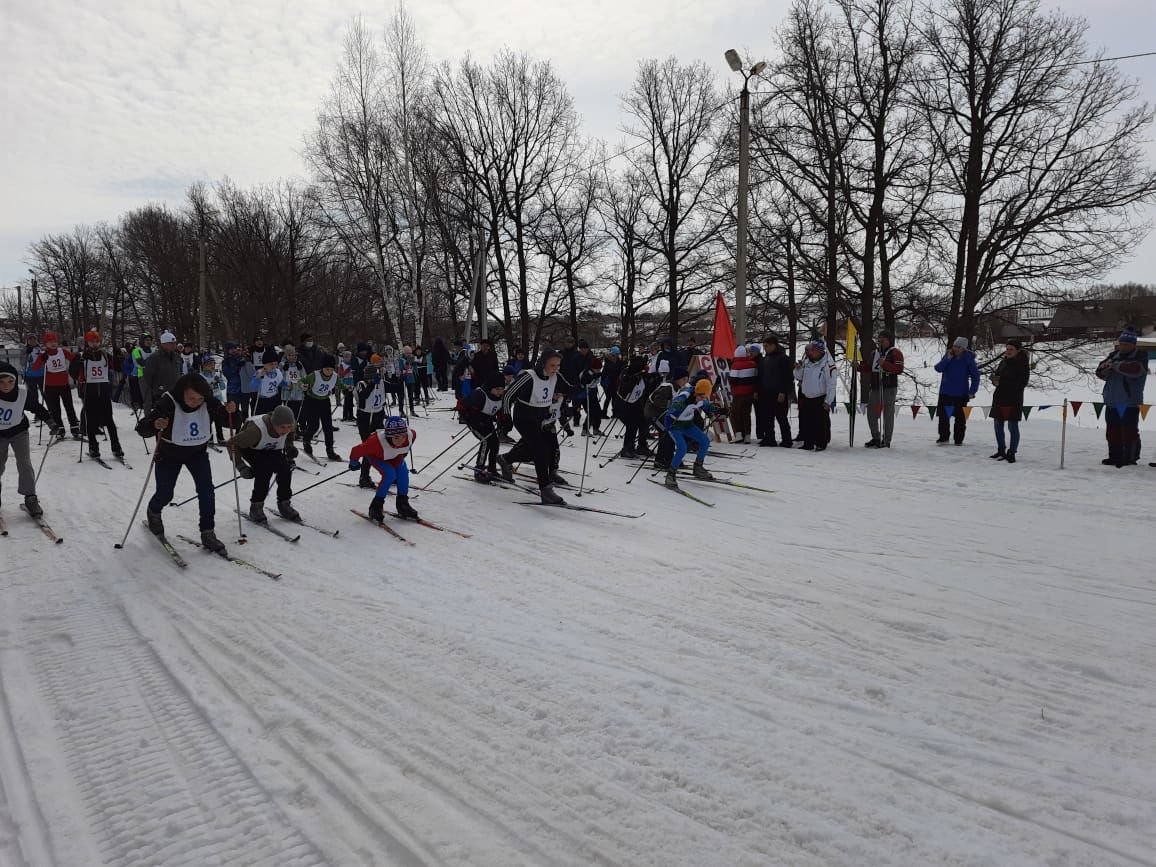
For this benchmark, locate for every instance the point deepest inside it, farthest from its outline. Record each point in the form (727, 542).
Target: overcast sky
(107, 105)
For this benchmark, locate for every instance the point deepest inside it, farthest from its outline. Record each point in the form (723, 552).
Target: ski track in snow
(917, 656)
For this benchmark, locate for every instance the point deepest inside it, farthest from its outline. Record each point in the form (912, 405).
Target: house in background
(1103, 318)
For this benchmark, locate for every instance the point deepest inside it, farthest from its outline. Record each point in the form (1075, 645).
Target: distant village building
(1103, 317)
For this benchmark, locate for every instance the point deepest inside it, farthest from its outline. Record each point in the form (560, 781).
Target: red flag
(722, 342)
(1076, 404)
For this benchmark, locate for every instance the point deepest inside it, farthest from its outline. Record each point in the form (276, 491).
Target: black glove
(291, 452)
(245, 471)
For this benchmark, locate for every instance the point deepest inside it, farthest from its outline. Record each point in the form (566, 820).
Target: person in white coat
(815, 373)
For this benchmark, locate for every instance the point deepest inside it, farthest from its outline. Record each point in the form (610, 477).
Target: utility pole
(736, 64)
(201, 303)
(480, 286)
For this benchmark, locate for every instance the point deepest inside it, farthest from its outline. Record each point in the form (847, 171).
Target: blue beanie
(1127, 336)
(614, 350)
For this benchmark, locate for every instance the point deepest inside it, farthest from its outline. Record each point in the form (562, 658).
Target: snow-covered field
(911, 657)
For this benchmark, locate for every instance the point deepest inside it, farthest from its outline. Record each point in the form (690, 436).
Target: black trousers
(814, 421)
(486, 433)
(768, 412)
(315, 414)
(96, 413)
(537, 444)
(54, 396)
(957, 404)
(634, 426)
(167, 469)
(266, 465)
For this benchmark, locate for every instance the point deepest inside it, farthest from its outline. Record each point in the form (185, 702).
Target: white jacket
(817, 378)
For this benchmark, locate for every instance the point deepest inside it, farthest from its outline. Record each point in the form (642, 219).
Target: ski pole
(586, 456)
(51, 442)
(606, 438)
(451, 464)
(194, 496)
(645, 461)
(453, 442)
(322, 482)
(140, 499)
(236, 488)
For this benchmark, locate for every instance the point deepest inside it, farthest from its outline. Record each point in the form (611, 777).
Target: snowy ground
(914, 657)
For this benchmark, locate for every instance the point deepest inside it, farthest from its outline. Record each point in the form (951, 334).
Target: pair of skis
(40, 522)
(429, 525)
(277, 531)
(181, 563)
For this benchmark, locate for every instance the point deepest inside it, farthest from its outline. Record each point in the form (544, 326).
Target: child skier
(682, 427)
(217, 386)
(655, 410)
(481, 411)
(263, 449)
(628, 403)
(371, 404)
(181, 419)
(90, 370)
(14, 403)
(291, 392)
(319, 386)
(54, 361)
(267, 382)
(386, 450)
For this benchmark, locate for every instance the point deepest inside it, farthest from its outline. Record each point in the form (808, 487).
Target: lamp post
(736, 64)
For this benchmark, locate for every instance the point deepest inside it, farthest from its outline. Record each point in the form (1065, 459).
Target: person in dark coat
(161, 371)
(484, 364)
(309, 353)
(1007, 404)
(441, 360)
(776, 390)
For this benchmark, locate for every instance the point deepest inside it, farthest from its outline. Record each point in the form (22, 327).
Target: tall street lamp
(736, 64)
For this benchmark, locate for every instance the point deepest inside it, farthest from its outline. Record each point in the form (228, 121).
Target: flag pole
(1064, 433)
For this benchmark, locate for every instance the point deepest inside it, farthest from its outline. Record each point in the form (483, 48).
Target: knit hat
(51, 337)
(740, 352)
(1013, 341)
(92, 337)
(269, 356)
(509, 368)
(771, 338)
(328, 361)
(754, 349)
(1128, 335)
(395, 426)
(817, 344)
(679, 373)
(495, 380)
(7, 369)
(703, 388)
(168, 337)
(281, 415)
(959, 343)
(230, 344)
(614, 350)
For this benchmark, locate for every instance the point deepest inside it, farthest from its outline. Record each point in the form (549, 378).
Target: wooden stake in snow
(1064, 433)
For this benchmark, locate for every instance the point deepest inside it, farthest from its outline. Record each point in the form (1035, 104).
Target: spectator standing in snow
(743, 377)
(958, 383)
(776, 388)
(883, 384)
(815, 374)
(1007, 404)
(1124, 372)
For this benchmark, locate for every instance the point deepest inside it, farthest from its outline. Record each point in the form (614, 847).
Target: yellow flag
(853, 353)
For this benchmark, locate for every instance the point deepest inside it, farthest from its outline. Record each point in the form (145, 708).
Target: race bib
(57, 363)
(95, 371)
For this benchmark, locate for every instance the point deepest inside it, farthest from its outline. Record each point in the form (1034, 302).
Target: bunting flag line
(986, 411)
(1144, 407)
(847, 406)
(1098, 407)
(1027, 412)
(931, 411)
(914, 410)
(967, 412)
(1076, 404)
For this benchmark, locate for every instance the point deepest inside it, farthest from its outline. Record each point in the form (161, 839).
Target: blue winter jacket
(233, 369)
(1124, 375)
(960, 375)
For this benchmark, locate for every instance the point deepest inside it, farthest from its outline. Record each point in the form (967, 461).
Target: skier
(33, 378)
(815, 373)
(681, 418)
(91, 371)
(386, 450)
(54, 361)
(315, 413)
(654, 410)
(371, 405)
(212, 376)
(182, 420)
(481, 412)
(267, 381)
(142, 353)
(264, 449)
(291, 392)
(14, 403)
(628, 401)
(588, 398)
(530, 404)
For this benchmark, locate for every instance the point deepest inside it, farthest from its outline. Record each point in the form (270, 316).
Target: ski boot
(701, 472)
(156, 525)
(94, 453)
(506, 468)
(365, 481)
(211, 543)
(405, 509)
(482, 477)
(377, 510)
(285, 510)
(117, 451)
(32, 504)
(557, 479)
(330, 454)
(549, 498)
(629, 454)
(671, 479)
(307, 447)
(76, 432)
(257, 513)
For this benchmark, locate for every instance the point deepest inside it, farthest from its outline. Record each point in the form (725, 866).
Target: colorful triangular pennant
(914, 410)
(931, 411)
(986, 411)
(1098, 407)
(1027, 412)
(847, 406)
(1144, 407)
(1076, 404)
(967, 412)
(1044, 406)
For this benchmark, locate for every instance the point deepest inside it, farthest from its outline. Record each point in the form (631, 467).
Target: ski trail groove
(160, 784)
